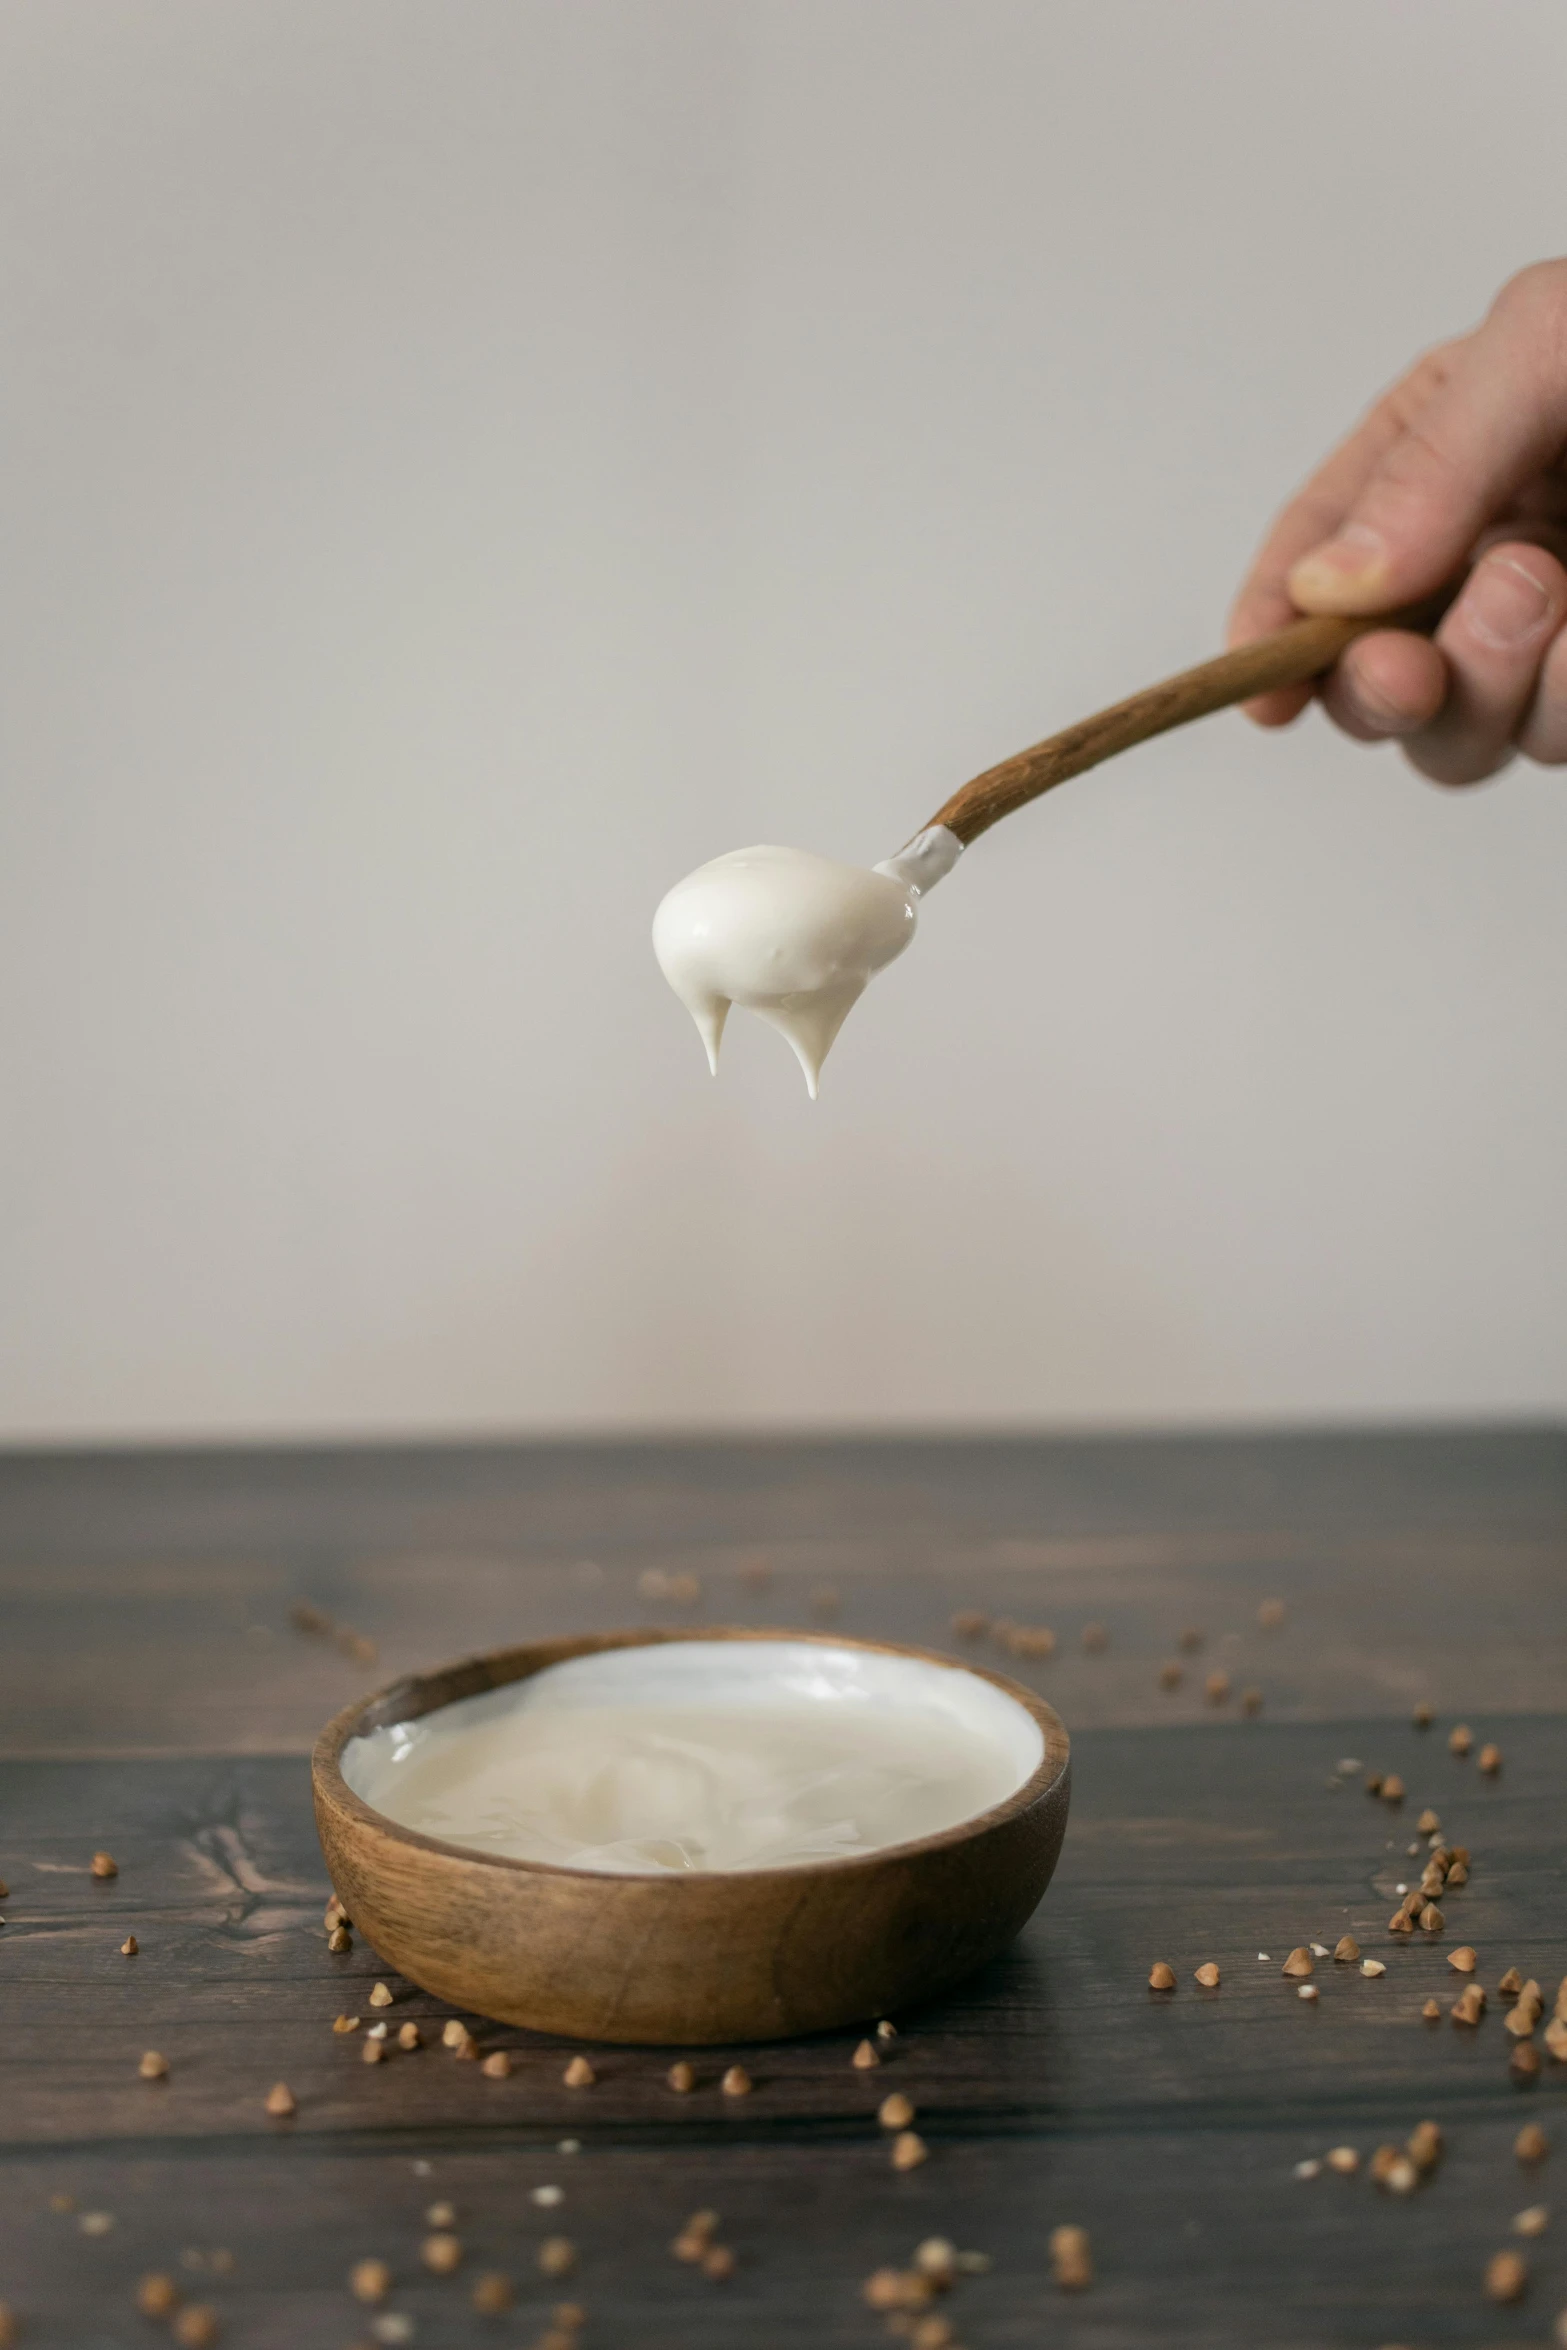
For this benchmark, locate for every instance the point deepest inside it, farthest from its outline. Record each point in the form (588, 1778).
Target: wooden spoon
(1289, 656)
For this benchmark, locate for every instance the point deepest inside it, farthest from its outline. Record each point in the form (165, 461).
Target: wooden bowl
(685, 1957)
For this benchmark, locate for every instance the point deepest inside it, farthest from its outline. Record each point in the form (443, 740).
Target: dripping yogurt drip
(794, 937)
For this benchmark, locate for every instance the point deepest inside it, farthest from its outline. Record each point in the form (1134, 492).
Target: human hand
(1463, 461)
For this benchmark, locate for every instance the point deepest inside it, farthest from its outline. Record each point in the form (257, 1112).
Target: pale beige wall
(469, 462)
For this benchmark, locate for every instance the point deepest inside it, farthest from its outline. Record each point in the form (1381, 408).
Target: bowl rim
(390, 1704)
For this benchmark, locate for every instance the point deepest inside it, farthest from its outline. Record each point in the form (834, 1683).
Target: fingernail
(1505, 604)
(1358, 553)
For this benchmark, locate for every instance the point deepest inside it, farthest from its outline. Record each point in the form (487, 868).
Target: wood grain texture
(1053, 2089)
(146, 1596)
(1293, 655)
(761, 1954)
(1056, 2088)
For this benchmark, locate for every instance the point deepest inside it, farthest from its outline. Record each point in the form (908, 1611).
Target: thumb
(1499, 419)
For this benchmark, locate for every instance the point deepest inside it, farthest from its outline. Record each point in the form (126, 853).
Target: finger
(1315, 512)
(1494, 640)
(1543, 734)
(1500, 418)
(1386, 687)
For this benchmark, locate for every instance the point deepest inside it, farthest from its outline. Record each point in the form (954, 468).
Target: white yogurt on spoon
(792, 936)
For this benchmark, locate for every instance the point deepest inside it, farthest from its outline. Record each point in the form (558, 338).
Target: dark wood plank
(1184, 1844)
(143, 1603)
(146, 1597)
(1202, 2240)
(1055, 2088)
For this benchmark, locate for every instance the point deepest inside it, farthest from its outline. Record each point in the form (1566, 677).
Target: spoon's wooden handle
(1289, 656)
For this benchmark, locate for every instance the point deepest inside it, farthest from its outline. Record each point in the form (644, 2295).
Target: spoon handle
(1289, 656)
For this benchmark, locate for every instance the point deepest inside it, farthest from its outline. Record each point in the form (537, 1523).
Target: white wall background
(467, 463)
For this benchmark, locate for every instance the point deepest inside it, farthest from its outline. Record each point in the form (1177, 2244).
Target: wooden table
(156, 1702)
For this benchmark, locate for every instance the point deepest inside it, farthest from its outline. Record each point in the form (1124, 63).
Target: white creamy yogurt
(793, 936)
(704, 1754)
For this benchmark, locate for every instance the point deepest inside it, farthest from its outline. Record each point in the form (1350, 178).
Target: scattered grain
(1424, 2145)
(1170, 1676)
(1524, 2063)
(1382, 2162)
(369, 2280)
(1431, 2012)
(895, 2112)
(1032, 1640)
(1460, 1739)
(1463, 1960)
(1556, 2039)
(718, 2264)
(1431, 1919)
(280, 2101)
(96, 2223)
(1190, 1641)
(557, 2256)
(579, 2074)
(129, 1947)
(1458, 1874)
(932, 2333)
(1402, 2177)
(736, 2082)
(157, 2295)
(1299, 1962)
(380, 1995)
(453, 2030)
(1311, 2168)
(681, 2077)
(969, 1624)
(1392, 1788)
(1346, 1950)
(496, 2066)
(937, 2259)
(441, 2253)
(909, 2150)
(697, 2234)
(196, 2328)
(1400, 1922)
(492, 2293)
(1208, 1975)
(408, 2037)
(1071, 2259)
(897, 2288)
(1489, 1759)
(1344, 2159)
(1161, 1976)
(440, 2215)
(1373, 1782)
(1531, 2143)
(373, 2051)
(1372, 1967)
(1422, 1716)
(1532, 2222)
(339, 1940)
(886, 2031)
(1506, 2275)
(153, 2067)
(1511, 1983)
(1216, 1689)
